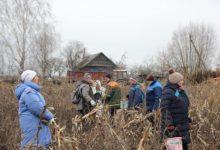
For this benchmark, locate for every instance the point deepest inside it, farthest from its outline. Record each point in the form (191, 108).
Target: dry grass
(130, 130)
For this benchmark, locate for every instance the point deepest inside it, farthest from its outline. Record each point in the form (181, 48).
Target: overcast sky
(139, 27)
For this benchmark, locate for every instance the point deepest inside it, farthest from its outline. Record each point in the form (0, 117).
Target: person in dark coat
(154, 92)
(135, 95)
(175, 110)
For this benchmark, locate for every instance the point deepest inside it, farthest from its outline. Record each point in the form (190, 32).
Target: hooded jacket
(154, 92)
(31, 105)
(135, 95)
(87, 95)
(174, 110)
(113, 94)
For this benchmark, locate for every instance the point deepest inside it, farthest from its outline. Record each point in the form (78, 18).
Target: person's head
(29, 76)
(108, 77)
(132, 81)
(176, 78)
(150, 78)
(88, 78)
(98, 85)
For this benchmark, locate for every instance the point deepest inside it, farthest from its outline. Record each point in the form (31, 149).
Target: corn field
(128, 130)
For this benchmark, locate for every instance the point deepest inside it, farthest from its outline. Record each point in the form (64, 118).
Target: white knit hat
(132, 78)
(28, 75)
(175, 77)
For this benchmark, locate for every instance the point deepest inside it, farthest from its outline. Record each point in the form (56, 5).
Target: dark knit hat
(171, 71)
(150, 78)
(175, 77)
(108, 76)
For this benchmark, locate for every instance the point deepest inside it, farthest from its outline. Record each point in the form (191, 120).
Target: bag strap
(80, 89)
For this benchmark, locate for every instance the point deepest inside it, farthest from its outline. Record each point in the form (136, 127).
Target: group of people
(171, 100)
(92, 93)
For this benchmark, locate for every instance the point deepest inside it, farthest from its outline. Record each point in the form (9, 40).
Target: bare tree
(2, 60)
(164, 62)
(2, 64)
(59, 67)
(74, 53)
(7, 66)
(191, 47)
(148, 66)
(45, 45)
(19, 20)
(122, 61)
(56, 67)
(217, 60)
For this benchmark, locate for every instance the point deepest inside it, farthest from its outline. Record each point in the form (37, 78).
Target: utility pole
(84, 53)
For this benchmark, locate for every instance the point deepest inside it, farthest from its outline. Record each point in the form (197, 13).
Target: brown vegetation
(130, 129)
(203, 75)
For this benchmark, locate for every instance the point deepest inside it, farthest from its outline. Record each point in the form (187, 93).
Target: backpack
(77, 95)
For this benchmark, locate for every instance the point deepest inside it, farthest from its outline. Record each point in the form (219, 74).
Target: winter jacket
(113, 94)
(135, 96)
(87, 95)
(31, 106)
(153, 95)
(174, 110)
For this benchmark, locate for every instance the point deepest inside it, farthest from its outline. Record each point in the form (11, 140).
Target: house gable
(102, 60)
(97, 62)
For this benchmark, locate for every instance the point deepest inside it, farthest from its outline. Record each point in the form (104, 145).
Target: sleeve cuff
(48, 115)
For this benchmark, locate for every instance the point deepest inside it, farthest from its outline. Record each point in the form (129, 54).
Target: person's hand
(171, 128)
(190, 125)
(93, 103)
(52, 121)
(154, 112)
(99, 101)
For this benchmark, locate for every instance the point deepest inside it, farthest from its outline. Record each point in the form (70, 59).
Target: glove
(93, 103)
(190, 123)
(171, 128)
(52, 121)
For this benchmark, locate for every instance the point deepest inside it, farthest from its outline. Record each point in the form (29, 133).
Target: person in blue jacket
(33, 112)
(153, 94)
(175, 110)
(135, 95)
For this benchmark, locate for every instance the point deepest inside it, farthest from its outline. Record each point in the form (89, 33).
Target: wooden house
(98, 65)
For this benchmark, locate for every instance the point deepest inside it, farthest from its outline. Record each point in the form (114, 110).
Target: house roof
(90, 58)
